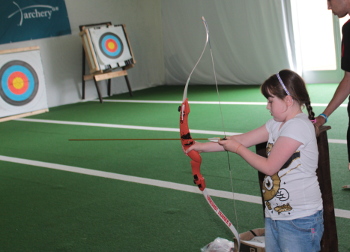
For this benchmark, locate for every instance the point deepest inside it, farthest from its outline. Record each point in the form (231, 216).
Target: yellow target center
(111, 45)
(18, 83)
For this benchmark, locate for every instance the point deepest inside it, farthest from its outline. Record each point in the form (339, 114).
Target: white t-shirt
(293, 192)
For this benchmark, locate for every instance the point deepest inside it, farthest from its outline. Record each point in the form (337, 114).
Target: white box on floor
(253, 240)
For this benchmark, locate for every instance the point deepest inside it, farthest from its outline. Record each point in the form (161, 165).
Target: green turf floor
(52, 210)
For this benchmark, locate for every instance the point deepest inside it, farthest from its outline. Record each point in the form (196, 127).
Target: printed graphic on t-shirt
(275, 195)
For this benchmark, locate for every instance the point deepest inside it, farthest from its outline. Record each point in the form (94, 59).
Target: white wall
(62, 56)
(248, 40)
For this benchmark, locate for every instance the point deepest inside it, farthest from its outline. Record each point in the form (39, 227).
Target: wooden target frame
(106, 48)
(22, 83)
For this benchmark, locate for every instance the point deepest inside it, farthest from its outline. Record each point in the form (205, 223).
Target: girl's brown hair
(295, 86)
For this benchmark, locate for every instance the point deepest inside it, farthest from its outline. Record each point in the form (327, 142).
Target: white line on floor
(152, 182)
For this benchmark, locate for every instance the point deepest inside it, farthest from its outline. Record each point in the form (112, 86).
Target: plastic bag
(219, 245)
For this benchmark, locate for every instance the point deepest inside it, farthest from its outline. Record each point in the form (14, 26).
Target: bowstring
(222, 118)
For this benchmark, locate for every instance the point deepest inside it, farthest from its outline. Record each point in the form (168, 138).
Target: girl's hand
(230, 144)
(204, 147)
(196, 147)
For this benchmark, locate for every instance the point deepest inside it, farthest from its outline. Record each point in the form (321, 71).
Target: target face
(18, 83)
(111, 45)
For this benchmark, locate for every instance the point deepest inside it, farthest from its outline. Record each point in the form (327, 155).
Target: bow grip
(196, 161)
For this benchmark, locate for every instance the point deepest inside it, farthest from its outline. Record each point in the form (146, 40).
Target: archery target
(22, 86)
(19, 83)
(110, 45)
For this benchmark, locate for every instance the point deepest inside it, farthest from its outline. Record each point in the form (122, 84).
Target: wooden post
(329, 240)
(36, 112)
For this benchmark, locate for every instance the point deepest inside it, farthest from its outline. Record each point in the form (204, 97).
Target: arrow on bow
(212, 139)
(196, 159)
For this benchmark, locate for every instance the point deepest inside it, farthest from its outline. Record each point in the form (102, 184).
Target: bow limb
(185, 135)
(187, 141)
(196, 161)
(222, 216)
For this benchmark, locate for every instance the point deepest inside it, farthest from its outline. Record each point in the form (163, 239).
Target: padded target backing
(22, 85)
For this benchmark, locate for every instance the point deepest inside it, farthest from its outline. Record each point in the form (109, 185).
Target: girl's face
(277, 107)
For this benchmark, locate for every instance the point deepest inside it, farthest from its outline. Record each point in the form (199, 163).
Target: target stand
(22, 84)
(107, 50)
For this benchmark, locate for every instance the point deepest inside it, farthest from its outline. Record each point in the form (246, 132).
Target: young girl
(293, 203)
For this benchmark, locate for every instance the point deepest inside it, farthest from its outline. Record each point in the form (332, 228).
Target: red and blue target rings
(18, 83)
(111, 45)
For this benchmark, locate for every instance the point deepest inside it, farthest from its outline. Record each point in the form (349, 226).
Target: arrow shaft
(132, 139)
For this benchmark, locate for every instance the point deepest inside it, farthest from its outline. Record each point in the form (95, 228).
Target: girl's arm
(205, 147)
(248, 139)
(282, 150)
(251, 138)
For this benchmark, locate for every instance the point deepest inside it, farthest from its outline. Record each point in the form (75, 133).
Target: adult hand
(320, 120)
